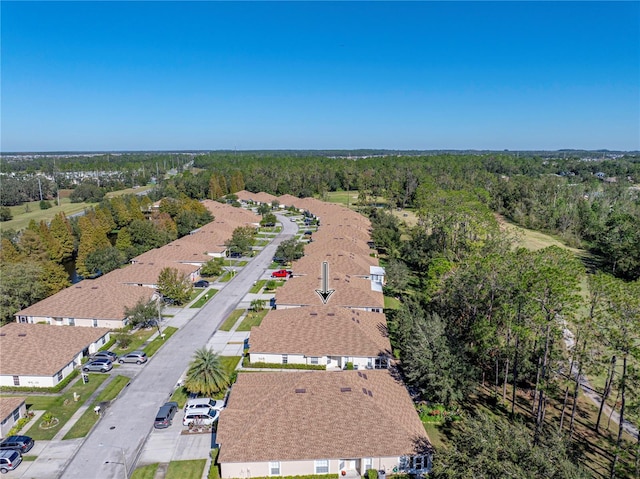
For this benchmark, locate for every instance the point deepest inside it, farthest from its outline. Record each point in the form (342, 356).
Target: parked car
(165, 415)
(137, 357)
(202, 416)
(308, 233)
(235, 254)
(111, 356)
(9, 460)
(21, 444)
(201, 284)
(282, 273)
(102, 365)
(218, 405)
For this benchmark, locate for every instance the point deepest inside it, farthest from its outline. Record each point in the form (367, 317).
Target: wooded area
(483, 326)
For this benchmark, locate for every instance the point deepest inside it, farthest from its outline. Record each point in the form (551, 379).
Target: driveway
(121, 434)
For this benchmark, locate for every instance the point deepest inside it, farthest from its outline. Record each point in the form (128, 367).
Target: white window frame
(285, 359)
(367, 463)
(321, 466)
(274, 465)
(314, 360)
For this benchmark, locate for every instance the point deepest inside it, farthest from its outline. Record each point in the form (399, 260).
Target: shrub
(349, 366)
(123, 340)
(247, 364)
(5, 213)
(45, 205)
(372, 474)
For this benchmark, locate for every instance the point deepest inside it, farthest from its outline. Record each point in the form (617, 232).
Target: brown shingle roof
(321, 331)
(339, 262)
(99, 298)
(147, 273)
(42, 349)
(350, 291)
(339, 414)
(223, 211)
(9, 404)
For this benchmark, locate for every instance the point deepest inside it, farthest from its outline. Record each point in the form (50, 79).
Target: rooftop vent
(22, 335)
(331, 314)
(301, 391)
(94, 287)
(345, 390)
(364, 391)
(364, 375)
(313, 314)
(370, 393)
(3, 334)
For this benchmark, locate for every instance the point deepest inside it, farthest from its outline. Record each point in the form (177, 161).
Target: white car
(201, 416)
(204, 403)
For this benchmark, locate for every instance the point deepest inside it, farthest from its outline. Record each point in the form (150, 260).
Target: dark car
(165, 415)
(137, 357)
(111, 356)
(282, 273)
(9, 460)
(21, 444)
(235, 254)
(201, 284)
(102, 365)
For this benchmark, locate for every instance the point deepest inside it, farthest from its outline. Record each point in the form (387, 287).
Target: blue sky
(307, 75)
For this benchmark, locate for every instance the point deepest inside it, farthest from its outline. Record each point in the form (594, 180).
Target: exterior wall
(83, 322)
(8, 422)
(247, 470)
(331, 362)
(29, 381)
(287, 306)
(50, 381)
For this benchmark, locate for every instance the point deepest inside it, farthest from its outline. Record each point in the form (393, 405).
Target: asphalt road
(117, 440)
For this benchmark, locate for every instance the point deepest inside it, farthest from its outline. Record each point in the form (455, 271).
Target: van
(9, 460)
(201, 416)
(204, 402)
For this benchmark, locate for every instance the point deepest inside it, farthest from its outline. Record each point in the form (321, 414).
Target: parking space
(165, 445)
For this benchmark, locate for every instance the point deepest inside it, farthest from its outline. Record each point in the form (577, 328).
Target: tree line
(101, 240)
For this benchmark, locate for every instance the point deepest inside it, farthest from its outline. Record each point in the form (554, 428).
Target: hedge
(320, 367)
(55, 389)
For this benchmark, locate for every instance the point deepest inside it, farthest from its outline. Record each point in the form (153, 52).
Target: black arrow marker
(325, 292)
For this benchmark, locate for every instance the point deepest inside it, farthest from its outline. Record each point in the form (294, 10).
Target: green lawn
(230, 362)
(391, 303)
(192, 469)
(21, 217)
(61, 406)
(139, 337)
(154, 345)
(82, 427)
(231, 320)
(343, 197)
(252, 319)
(204, 298)
(145, 472)
(180, 396)
(255, 289)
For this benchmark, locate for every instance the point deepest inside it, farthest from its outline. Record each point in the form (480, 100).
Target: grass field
(204, 298)
(139, 337)
(157, 343)
(192, 469)
(61, 406)
(231, 320)
(252, 319)
(145, 472)
(23, 214)
(82, 427)
(347, 198)
(255, 289)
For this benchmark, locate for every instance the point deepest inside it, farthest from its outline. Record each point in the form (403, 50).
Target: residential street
(120, 435)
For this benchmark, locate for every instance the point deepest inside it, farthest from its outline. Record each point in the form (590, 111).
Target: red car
(281, 273)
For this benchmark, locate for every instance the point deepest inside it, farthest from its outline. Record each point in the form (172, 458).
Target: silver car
(137, 357)
(102, 365)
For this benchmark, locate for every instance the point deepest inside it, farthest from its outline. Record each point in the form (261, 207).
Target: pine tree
(60, 229)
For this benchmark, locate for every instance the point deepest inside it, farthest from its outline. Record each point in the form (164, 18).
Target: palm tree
(206, 374)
